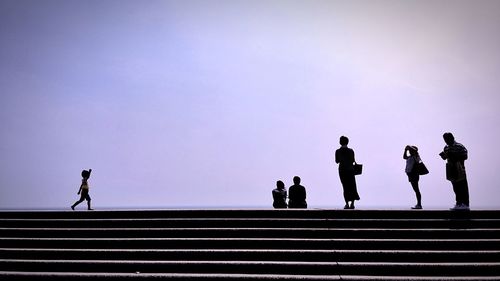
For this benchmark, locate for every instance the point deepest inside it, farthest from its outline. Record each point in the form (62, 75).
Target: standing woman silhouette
(412, 159)
(344, 156)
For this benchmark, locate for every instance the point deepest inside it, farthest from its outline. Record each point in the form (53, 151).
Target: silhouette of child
(84, 190)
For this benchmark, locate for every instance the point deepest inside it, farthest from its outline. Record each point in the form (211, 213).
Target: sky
(207, 103)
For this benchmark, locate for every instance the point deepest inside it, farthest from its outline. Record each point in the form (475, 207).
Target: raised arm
(405, 153)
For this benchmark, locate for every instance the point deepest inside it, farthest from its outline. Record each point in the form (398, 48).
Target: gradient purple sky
(191, 104)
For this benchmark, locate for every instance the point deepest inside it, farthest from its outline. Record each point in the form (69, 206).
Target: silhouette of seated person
(279, 196)
(297, 195)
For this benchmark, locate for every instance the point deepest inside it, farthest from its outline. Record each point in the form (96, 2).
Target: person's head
(413, 150)
(85, 174)
(280, 185)
(449, 139)
(344, 140)
(296, 180)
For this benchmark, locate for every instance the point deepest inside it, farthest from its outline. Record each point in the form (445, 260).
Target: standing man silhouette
(297, 195)
(455, 155)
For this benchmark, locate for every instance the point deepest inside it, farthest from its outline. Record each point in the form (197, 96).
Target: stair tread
(240, 239)
(248, 250)
(215, 276)
(197, 262)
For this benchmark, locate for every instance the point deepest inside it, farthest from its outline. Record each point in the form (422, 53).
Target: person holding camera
(412, 158)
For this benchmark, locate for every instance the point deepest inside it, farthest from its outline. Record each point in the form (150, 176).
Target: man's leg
(464, 192)
(456, 190)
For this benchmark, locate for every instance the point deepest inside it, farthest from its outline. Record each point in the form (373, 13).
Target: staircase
(250, 245)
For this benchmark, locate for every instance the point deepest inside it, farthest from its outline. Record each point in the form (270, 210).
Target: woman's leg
(346, 206)
(414, 184)
(344, 183)
(352, 205)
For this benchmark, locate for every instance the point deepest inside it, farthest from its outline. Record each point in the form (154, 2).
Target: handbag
(358, 168)
(419, 167)
(422, 169)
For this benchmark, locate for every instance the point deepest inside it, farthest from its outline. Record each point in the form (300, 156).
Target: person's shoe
(352, 207)
(346, 206)
(460, 207)
(90, 209)
(73, 208)
(417, 207)
(464, 207)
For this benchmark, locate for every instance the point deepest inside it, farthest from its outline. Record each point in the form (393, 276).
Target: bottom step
(12, 275)
(254, 267)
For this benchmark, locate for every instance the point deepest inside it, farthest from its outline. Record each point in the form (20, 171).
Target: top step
(255, 213)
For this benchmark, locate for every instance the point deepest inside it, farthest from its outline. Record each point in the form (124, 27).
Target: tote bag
(358, 168)
(422, 169)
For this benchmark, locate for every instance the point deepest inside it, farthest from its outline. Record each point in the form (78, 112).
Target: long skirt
(348, 181)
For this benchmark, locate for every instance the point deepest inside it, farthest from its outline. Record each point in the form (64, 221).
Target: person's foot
(417, 207)
(346, 206)
(460, 207)
(352, 207)
(73, 208)
(90, 209)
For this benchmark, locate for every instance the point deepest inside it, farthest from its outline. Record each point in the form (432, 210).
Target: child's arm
(90, 171)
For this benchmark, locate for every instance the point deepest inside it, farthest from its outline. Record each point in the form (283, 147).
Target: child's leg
(88, 202)
(76, 203)
(82, 197)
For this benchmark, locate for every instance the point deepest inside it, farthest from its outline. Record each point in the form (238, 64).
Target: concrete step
(249, 222)
(311, 233)
(254, 255)
(252, 243)
(255, 267)
(44, 276)
(256, 214)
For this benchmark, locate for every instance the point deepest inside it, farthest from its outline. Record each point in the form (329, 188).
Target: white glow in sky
(208, 103)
